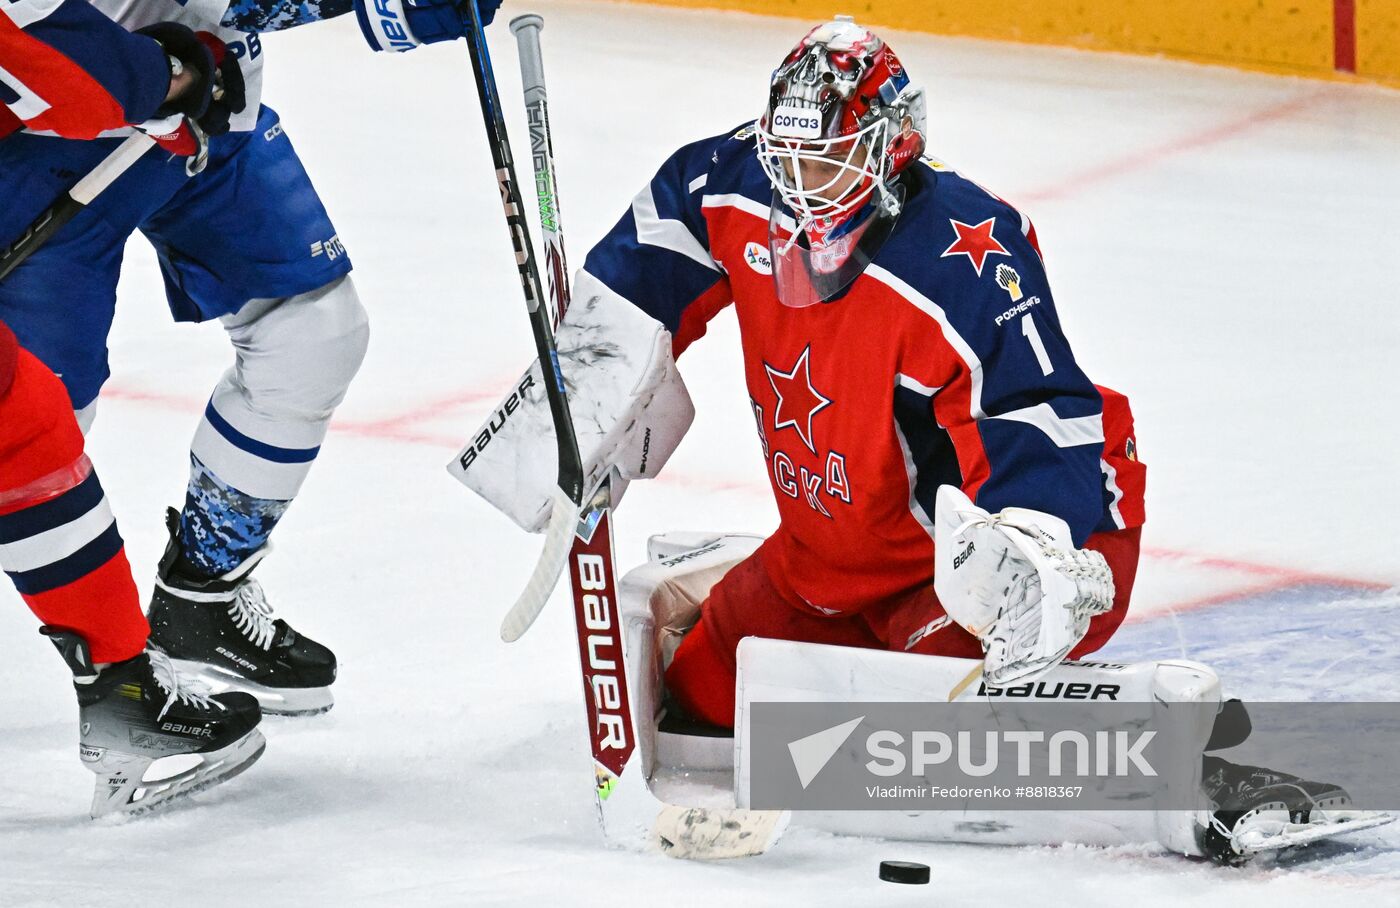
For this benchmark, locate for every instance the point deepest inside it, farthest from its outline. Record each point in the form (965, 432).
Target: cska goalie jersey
(943, 362)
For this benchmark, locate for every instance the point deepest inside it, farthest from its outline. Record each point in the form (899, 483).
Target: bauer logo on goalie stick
(496, 423)
(600, 651)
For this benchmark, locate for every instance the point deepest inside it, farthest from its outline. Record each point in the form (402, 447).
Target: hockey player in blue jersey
(246, 241)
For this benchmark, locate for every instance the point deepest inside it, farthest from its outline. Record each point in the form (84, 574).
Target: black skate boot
(140, 725)
(1259, 810)
(221, 631)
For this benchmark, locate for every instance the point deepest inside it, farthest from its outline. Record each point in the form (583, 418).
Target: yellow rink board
(1378, 39)
(1292, 36)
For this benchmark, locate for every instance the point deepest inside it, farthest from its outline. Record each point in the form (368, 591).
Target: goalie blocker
(629, 405)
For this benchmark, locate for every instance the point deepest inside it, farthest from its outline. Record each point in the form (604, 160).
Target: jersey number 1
(1032, 334)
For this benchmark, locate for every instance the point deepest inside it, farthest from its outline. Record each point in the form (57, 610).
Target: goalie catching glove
(1016, 582)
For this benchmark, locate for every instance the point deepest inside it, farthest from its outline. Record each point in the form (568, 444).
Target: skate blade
(274, 701)
(1279, 835)
(125, 785)
(712, 834)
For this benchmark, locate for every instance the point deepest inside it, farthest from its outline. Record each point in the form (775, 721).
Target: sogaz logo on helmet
(757, 258)
(792, 122)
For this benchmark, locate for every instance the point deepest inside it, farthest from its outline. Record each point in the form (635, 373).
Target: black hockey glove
(187, 54)
(218, 91)
(229, 96)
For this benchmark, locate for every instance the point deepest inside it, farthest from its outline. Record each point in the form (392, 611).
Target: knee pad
(657, 603)
(297, 356)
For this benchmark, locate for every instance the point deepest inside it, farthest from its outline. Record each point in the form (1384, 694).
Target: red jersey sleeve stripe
(697, 315)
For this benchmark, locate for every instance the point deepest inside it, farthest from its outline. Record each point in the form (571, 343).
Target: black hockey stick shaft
(43, 228)
(570, 463)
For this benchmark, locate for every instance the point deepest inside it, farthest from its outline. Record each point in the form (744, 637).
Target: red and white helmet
(842, 98)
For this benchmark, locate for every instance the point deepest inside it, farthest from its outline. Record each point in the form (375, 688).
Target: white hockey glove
(1016, 582)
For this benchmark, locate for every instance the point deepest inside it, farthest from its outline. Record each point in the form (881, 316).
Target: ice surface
(1221, 246)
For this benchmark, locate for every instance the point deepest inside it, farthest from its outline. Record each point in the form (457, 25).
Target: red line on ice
(1283, 575)
(1148, 157)
(399, 429)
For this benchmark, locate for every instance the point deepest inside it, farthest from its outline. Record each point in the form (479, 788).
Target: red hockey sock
(702, 680)
(58, 540)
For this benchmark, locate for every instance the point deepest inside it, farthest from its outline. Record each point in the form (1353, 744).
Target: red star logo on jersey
(798, 401)
(975, 242)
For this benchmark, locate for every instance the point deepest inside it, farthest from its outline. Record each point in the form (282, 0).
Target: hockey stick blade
(563, 518)
(717, 834)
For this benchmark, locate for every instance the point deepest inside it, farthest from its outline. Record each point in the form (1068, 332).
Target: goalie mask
(842, 122)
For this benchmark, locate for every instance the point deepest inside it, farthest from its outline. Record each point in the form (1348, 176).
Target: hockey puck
(903, 872)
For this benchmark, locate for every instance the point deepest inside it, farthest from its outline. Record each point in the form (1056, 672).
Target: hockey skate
(221, 630)
(1261, 810)
(149, 735)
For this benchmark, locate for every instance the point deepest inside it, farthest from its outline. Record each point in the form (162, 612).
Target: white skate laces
(252, 614)
(178, 689)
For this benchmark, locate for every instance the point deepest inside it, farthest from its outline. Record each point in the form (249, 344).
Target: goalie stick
(688, 832)
(568, 497)
(592, 565)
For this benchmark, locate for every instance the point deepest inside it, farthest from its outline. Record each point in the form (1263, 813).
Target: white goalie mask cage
(842, 122)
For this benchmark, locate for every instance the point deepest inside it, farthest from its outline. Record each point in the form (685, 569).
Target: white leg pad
(659, 601)
(783, 671)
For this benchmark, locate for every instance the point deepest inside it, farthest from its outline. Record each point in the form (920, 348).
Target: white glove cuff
(384, 25)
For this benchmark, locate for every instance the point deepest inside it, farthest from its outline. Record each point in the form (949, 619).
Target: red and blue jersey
(73, 68)
(68, 69)
(944, 362)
